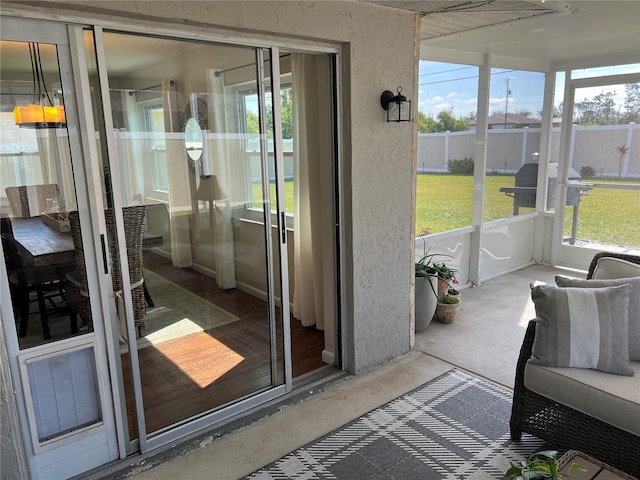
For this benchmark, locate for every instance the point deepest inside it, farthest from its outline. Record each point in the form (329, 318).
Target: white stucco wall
(13, 463)
(380, 53)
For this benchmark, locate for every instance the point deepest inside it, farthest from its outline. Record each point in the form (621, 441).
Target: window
(250, 124)
(446, 124)
(19, 156)
(154, 120)
(513, 142)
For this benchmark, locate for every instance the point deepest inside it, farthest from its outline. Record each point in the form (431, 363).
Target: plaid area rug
(453, 427)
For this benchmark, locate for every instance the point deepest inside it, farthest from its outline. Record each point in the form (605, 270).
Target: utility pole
(506, 103)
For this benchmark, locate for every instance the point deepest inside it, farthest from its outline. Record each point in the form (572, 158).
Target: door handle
(283, 226)
(104, 254)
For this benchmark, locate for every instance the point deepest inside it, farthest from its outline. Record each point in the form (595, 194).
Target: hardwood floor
(196, 373)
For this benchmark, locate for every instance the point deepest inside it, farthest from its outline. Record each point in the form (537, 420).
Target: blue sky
(444, 86)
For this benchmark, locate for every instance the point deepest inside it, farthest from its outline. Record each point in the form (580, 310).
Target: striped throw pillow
(634, 304)
(582, 327)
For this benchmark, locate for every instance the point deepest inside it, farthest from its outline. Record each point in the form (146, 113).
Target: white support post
(479, 170)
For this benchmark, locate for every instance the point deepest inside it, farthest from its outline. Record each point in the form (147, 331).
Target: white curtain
(312, 146)
(55, 163)
(179, 182)
(216, 162)
(130, 148)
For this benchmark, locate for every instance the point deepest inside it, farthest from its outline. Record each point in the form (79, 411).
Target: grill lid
(527, 176)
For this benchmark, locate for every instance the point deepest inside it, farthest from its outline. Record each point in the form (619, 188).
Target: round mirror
(193, 139)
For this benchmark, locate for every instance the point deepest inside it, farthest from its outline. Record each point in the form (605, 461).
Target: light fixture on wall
(397, 106)
(37, 114)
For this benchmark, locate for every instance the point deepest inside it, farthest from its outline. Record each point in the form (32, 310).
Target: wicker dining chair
(77, 285)
(31, 200)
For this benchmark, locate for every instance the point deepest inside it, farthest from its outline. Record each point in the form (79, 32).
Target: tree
(253, 126)
(287, 113)
(286, 100)
(426, 124)
(631, 103)
(450, 123)
(605, 107)
(445, 122)
(524, 113)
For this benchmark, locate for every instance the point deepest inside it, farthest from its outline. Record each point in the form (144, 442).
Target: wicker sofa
(581, 409)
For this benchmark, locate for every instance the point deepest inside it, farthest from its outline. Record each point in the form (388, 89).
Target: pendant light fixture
(39, 114)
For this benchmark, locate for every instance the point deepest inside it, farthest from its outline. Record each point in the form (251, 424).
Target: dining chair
(77, 285)
(31, 200)
(47, 282)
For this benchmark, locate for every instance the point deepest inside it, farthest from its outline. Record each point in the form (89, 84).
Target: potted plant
(448, 297)
(447, 309)
(540, 465)
(446, 277)
(426, 289)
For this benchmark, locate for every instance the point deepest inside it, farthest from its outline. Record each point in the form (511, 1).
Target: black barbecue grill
(525, 189)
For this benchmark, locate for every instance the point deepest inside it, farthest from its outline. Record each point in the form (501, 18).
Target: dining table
(41, 244)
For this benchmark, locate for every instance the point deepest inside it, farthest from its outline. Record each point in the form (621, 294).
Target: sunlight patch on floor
(204, 369)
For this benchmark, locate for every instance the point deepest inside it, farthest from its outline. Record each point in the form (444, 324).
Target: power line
(447, 71)
(448, 80)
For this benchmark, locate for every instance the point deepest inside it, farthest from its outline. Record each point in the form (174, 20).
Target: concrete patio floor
(485, 339)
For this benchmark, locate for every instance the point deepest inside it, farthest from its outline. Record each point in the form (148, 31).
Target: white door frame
(100, 443)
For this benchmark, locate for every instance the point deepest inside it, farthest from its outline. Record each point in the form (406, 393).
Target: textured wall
(380, 53)
(12, 461)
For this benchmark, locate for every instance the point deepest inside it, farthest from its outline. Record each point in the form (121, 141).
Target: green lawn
(288, 195)
(444, 203)
(606, 215)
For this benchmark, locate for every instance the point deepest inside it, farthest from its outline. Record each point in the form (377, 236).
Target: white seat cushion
(613, 399)
(611, 267)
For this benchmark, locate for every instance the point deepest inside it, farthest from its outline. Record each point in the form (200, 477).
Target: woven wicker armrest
(518, 389)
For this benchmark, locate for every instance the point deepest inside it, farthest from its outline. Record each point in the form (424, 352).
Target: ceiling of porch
(532, 33)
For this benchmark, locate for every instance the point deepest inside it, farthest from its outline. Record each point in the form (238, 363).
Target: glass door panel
(197, 321)
(55, 329)
(37, 192)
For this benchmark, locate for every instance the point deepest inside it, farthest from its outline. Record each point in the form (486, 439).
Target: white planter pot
(425, 301)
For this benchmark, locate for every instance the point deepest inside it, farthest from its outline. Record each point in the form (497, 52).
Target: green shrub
(587, 171)
(464, 166)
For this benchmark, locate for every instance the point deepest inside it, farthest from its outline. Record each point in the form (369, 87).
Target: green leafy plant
(587, 171)
(449, 300)
(426, 267)
(621, 150)
(444, 272)
(540, 465)
(463, 166)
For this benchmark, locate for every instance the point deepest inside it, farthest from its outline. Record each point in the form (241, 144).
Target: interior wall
(380, 53)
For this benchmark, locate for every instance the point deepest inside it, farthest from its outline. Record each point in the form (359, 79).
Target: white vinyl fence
(509, 149)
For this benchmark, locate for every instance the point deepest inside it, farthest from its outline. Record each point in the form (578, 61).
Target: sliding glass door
(57, 353)
(191, 187)
(199, 328)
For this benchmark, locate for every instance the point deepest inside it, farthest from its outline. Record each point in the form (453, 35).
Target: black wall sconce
(397, 106)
